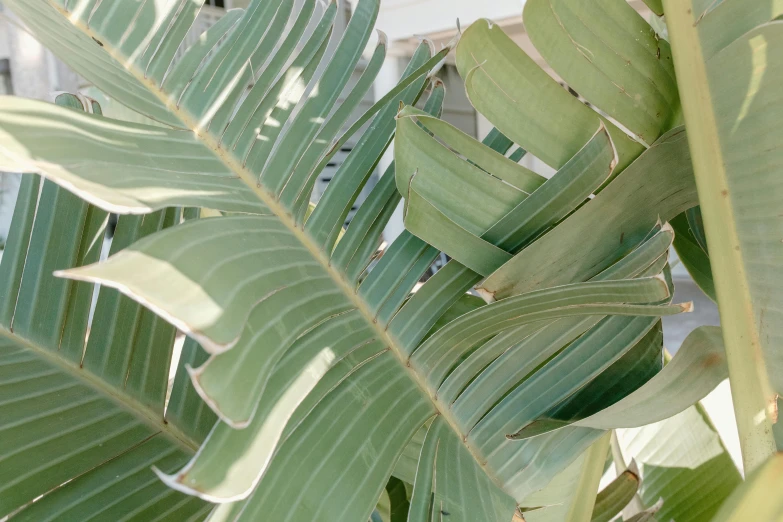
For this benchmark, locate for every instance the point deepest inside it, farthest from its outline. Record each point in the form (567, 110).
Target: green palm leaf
(752, 499)
(83, 421)
(319, 371)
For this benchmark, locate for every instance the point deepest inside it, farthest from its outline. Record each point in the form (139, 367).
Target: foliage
(307, 378)
(736, 162)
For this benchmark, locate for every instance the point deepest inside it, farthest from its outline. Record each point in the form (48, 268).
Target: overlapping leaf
(132, 62)
(321, 376)
(83, 416)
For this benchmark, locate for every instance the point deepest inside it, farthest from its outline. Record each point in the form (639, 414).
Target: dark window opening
(216, 3)
(5, 77)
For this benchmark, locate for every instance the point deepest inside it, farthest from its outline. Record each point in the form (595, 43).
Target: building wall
(5, 51)
(32, 72)
(400, 19)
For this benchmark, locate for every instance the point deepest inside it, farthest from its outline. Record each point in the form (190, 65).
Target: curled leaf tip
(399, 110)
(383, 39)
(425, 40)
(486, 295)
(437, 82)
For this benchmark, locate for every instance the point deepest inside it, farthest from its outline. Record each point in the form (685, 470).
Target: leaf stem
(752, 394)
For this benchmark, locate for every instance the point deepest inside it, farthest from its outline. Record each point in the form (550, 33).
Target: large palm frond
(319, 372)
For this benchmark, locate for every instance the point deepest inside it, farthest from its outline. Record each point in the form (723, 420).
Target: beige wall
(404, 18)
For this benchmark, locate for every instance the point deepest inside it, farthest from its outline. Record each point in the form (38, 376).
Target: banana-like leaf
(83, 153)
(489, 387)
(450, 483)
(614, 497)
(683, 466)
(754, 499)
(83, 416)
(423, 158)
(525, 103)
(206, 311)
(603, 226)
(571, 496)
(321, 377)
(84, 410)
(659, 184)
(612, 57)
(132, 62)
(693, 256)
(697, 368)
(732, 118)
(696, 226)
(483, 379)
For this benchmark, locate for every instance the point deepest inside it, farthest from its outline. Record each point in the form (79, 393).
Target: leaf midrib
(141, 411)
(288, 221)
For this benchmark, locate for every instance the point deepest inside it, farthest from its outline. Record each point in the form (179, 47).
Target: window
(216, 3)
